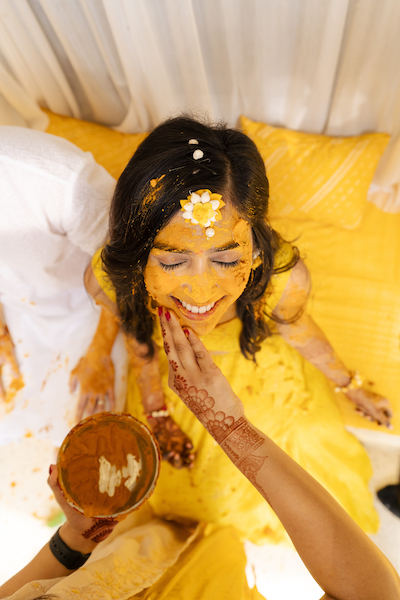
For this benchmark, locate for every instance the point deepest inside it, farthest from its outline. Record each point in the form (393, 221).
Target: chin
(201, 327)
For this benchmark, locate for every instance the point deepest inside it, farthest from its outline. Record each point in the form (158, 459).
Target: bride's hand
(372, 406)
(175, 447)
(197, 380)
(94, 375)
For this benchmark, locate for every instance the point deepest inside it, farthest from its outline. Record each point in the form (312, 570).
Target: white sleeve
(86, 206)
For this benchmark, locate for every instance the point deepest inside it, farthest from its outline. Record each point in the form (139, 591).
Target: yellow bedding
(356, 298)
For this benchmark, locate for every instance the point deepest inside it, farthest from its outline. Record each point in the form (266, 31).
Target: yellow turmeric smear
(14, 387)
(154, 190)
(95, 371)
(8, 355)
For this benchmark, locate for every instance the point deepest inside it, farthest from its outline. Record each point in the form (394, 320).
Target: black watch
(71, 559)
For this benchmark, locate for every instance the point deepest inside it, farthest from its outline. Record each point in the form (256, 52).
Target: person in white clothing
(54, 203)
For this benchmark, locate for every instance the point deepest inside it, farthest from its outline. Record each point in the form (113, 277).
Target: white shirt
(54, 204)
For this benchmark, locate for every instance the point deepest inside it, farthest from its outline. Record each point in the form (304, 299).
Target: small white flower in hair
(193, 141)
(197, 154)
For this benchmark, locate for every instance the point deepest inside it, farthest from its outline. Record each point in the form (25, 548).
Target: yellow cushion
(110, 148)
(317, 177)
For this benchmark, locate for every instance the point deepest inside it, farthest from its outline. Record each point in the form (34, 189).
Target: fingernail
(186, 332)
(50, 469)
(167, 315)
(160, 311)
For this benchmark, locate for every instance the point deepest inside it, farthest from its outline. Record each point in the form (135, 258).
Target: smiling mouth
(197, 313)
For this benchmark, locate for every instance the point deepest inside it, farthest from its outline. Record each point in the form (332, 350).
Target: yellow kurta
(288, 399)
(148, 558)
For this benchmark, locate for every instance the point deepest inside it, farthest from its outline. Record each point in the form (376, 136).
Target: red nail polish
(160, 311)
(186, 332)
(50, 469)
(167, 315)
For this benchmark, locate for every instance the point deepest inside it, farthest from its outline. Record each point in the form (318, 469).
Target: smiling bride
(189, 232)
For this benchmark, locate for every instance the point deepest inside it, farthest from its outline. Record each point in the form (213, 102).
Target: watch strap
(71, 559)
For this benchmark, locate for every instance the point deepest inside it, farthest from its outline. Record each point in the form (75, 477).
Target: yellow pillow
(317, 177)
(110, 148)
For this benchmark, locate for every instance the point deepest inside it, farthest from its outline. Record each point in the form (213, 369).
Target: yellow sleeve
(101, 276)
(278, 281)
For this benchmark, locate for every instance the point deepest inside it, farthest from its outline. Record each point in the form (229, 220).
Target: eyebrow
(168, 248)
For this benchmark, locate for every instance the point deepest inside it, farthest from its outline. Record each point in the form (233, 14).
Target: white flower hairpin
(197, 154)
(203, 208)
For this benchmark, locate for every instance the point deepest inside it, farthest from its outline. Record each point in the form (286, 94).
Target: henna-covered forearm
(327, 539)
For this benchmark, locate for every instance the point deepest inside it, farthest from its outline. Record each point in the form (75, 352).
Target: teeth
(197, 309)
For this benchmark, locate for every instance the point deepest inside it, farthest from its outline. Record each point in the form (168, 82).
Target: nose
(201, 287)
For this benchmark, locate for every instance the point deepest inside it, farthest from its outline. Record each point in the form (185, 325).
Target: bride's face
(200, 278)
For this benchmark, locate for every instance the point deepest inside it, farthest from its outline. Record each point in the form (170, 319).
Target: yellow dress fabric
(288, 399)
(148, 558)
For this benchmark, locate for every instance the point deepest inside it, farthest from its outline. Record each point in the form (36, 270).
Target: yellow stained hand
(94, 374)
(8, 358)
(372, 406)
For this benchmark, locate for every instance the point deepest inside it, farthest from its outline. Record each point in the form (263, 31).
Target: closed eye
(224, 265)
(170, 267)
(227, 265)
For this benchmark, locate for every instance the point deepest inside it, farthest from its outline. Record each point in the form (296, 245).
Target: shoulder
(96, 291)
(295, 293)
(299, 276)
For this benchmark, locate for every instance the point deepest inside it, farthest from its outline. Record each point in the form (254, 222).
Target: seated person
(54, 201)
(189, 230)
(340, 557)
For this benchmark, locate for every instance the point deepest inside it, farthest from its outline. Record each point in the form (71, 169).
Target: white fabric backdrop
(326, 67)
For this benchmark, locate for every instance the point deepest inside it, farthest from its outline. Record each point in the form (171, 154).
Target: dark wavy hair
(232, 166)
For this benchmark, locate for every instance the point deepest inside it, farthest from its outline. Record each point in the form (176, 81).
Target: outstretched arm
(308, 339)
(340, 557)
(81, 534)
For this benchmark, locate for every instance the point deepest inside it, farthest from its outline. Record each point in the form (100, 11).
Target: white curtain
(324, 66)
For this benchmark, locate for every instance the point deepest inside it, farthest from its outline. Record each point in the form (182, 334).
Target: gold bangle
(355, 383)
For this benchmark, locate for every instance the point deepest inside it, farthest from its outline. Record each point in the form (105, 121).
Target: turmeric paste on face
(108, 465)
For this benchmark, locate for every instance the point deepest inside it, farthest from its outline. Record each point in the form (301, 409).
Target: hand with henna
(372, 406)
(175, 446)
(79, 532)
(196, 379)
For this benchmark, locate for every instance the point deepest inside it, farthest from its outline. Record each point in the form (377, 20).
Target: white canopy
(325, 67)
